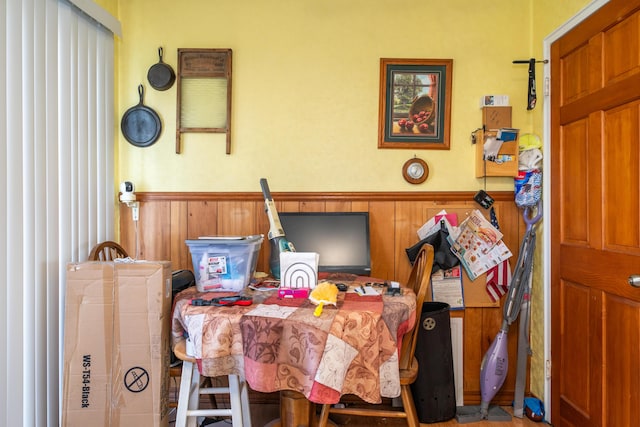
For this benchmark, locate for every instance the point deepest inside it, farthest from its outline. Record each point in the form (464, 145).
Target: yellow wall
(305, 88)
(305, 92)
(110, 6)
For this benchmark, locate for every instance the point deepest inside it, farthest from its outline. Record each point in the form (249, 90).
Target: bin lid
(225, 240)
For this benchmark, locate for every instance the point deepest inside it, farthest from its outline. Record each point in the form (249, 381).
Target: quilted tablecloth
(278, 344)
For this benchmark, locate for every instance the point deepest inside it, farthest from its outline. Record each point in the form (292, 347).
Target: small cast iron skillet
(161, 75)
(141, 125)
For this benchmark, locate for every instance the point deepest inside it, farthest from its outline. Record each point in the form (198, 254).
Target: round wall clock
(415, 171)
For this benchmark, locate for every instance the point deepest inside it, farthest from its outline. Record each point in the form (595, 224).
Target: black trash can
(434, 390)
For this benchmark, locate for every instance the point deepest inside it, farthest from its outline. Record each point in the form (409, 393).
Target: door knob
(634, 280)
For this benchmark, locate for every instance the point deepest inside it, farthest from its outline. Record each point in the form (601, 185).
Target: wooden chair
(191, 388)
(107, 251)
(419, 280)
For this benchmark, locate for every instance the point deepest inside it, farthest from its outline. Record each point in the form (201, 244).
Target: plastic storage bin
(224, 264)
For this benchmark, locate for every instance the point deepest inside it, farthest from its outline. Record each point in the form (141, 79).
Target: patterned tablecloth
(278, 344)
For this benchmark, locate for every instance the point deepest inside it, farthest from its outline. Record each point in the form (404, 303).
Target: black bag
(181, 280)
(443, 258)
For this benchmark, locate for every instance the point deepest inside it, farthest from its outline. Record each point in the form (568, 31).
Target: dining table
(281, 344)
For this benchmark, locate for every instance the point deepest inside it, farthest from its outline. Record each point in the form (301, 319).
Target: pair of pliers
(223, 301)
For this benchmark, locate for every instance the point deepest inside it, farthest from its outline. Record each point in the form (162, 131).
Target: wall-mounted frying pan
(141, 125)
(161, 75)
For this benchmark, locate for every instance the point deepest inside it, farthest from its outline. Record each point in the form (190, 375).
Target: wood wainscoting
(168, 219)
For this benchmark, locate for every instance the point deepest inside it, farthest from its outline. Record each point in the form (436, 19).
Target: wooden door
(595, 224)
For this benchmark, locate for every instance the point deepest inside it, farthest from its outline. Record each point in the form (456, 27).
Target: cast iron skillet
(140, 124)
(161, 75)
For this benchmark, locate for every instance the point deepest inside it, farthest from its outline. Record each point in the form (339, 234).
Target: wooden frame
(204, 93)
(415, 103)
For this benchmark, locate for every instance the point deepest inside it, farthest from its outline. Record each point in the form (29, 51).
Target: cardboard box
(117, 344)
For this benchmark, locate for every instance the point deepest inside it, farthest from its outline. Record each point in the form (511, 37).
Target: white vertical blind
(56, 187)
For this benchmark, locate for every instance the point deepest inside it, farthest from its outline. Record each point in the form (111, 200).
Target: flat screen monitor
(340, 238)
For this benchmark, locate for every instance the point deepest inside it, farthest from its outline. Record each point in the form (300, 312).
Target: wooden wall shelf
(493, 119)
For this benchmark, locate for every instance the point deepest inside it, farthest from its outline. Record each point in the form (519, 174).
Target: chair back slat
(107, 251)
(419, 280)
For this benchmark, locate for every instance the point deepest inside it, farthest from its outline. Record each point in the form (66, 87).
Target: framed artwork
(415, 103)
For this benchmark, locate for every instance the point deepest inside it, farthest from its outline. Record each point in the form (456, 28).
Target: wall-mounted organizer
(494, 119)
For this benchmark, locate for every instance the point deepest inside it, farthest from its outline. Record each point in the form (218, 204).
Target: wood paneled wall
(168, 219)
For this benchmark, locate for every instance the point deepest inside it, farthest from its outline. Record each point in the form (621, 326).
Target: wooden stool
(191, 389)
(174, 372)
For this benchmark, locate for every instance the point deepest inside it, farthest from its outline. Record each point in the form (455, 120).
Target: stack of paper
(366, 290)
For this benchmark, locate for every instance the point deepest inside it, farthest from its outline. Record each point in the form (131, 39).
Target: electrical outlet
(135, 211)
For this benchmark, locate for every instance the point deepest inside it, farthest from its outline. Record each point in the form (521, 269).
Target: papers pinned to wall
(436, 233)
(434, 224)
(478, 245)
(446, 286)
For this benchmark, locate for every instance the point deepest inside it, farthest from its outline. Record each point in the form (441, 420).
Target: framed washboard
(204, 93)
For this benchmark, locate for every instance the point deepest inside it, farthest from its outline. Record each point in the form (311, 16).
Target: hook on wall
(474, 136)
(531, 90)
(527, 61)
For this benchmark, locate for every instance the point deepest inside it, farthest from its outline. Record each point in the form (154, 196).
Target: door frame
(546, 189)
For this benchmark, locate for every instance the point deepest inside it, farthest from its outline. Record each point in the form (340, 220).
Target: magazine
(264, 284)
(478, 245)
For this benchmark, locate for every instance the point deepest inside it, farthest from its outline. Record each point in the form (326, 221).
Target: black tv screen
(340, 238)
